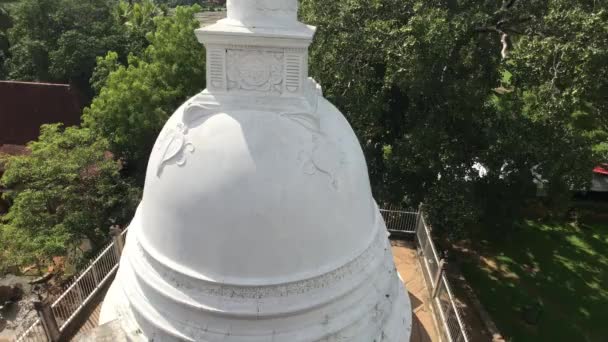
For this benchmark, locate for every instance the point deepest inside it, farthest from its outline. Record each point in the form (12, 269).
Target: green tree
(60, 40)
(137, 99)
(105, 66)
(176, 3)
(137, 21)
(6, 22)
(427, 87)
(69, 188)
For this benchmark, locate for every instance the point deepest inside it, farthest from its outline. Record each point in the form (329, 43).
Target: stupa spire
(257, 221)
(274, 13)
(260, 49)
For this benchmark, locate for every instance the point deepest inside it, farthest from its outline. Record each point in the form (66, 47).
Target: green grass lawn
(563, 267)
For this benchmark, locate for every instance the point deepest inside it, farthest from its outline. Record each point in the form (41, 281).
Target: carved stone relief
(377, 250)
(325, 157)
(174, 143)
(255, 70)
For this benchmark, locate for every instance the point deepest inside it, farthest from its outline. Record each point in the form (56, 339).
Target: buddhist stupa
(257, 221)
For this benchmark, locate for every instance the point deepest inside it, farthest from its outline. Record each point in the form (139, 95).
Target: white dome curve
(259, 179)
(257, 221)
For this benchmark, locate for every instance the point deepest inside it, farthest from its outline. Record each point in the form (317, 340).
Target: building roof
(25, 106)
(601, 169)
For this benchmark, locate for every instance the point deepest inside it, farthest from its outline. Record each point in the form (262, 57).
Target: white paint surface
(257, 222)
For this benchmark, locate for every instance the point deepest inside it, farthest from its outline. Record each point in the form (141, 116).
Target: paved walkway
(90, 324)
(423, 329)
(423, 326)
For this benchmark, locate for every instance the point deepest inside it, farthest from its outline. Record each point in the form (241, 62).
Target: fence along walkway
(55, 318)
(444, 306)
(399, 221)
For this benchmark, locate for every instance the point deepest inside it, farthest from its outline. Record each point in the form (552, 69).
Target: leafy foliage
(206, 4)
(105, 66)
(137, 21)
(68, 189)
(59, 40)
(137, 99)
(6, 22)
(424, 84)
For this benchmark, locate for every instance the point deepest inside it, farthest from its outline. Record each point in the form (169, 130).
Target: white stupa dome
(257, 221)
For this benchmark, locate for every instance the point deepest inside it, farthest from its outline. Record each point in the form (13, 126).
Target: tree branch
(506, 45)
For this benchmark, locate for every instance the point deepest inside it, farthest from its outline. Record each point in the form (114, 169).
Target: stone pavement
(423, 326)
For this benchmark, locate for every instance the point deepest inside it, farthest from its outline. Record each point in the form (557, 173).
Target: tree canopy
(59, 40)
(138, 98)
(75, 184)
(69, 188)
(6, 22)
(463, 104)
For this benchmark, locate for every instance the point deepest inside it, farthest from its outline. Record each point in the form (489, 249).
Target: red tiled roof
(601, 169)
(25, 106)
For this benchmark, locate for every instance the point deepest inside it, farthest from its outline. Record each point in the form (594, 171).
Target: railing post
(49, 323)
(95, 276)
(418, 217)
(417, 226)
(440, 269)
(418, 220)
(115, 231)
(78, 291)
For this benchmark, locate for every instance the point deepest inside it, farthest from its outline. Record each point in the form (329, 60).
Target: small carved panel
(216, 68)
(255, 70)
(293, 69)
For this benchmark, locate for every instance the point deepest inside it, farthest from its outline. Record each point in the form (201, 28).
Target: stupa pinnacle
(257, 221)
(274, 13)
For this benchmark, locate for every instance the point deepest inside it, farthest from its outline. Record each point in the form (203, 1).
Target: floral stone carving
(248, 242)
(255, 70)
(174, 143)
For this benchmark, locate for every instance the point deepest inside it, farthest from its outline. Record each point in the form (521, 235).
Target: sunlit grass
(560, 268)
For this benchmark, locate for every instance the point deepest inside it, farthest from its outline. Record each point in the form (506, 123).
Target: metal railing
(32, 333)
(54, 319)
(81, 291)
(399, 221)
(445, 309)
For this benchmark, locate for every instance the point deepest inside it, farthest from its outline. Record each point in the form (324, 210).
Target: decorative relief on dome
(255, 70)
(377, 251)
(325, 156)
(174, 146)
(174, 143)
(309, 121)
